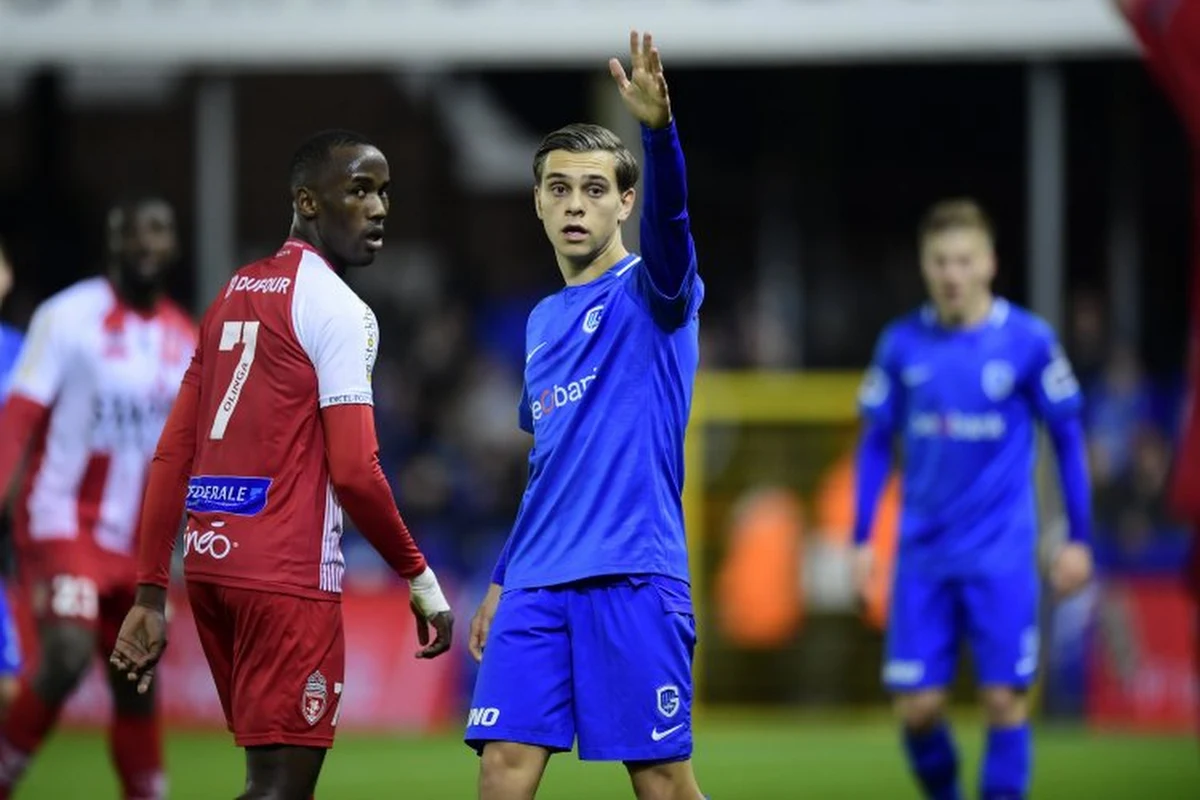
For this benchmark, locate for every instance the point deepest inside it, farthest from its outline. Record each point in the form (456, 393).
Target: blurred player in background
(1169, 31)
(10, 338)
(10, 647)
(94, 384)
(272, 435)
(588, 625)
(963, 382)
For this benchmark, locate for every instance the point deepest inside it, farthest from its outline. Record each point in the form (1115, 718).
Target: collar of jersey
(608, 274)
(996, 317)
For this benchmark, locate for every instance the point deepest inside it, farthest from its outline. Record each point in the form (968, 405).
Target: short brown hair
(955, 212)
(584, 137)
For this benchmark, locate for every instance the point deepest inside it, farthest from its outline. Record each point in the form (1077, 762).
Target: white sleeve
(43, 363)
(338, 332)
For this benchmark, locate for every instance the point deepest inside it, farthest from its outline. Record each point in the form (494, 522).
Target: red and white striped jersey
(287, 338)
(108, 375)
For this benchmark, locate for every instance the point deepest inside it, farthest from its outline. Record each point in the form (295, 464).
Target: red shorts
(278, 662)
(77, 582)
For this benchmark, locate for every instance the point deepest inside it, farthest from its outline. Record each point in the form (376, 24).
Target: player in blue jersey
(963, 383)
(588, 625)
(11, 340)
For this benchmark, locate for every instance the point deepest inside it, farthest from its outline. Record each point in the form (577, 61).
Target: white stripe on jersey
(637, 260)
(333, 563)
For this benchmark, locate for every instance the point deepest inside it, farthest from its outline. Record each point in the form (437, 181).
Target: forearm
(1070, 448)
(874, 461)
(666, 240)
(353, 454)
(166, 493)
(501, 568)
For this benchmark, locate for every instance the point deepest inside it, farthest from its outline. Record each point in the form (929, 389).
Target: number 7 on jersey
(233, 333)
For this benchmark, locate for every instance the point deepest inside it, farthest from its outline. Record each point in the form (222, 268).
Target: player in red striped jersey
(89, 396)
(1169, 31)
(272, 435)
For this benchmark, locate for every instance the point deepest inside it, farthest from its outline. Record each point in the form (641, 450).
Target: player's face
(579, 203)
(144, 242)
(958, 265)
(352, 204)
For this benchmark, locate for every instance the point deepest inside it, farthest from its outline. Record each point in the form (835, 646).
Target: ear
(537, 201)
(305, 202)
(628, 197)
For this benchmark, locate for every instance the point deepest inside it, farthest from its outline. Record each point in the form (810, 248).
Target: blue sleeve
(1070, 447)
(1051, 381)
(881, 398)
(870, 474)
(667, 278)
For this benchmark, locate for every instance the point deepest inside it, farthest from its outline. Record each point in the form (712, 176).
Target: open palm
(644, 90)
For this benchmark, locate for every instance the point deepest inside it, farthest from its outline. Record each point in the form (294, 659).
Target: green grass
(759, 759)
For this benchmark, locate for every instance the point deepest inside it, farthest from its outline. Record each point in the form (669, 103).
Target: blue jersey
(966, 404)
(10, 348)
(609, 371)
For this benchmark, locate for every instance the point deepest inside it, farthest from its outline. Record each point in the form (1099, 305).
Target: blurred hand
(645, 89)
(443, 628)
(481, 623)
(863, 571)
(1072, 569)
(140, 644)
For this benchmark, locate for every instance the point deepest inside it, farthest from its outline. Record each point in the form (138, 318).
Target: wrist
(427, 593)
(151, 596)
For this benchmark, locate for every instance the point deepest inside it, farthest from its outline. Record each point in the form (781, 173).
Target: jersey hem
(267, 587)
(602, 572)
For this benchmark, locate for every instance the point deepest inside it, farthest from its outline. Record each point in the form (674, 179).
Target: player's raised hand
(644, 90)
(1072, 569)
(481, 623)
(140, 644)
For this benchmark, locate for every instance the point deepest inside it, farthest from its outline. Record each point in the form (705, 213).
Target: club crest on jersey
(591, 320)
(668, 700)
(313, 702)
(998, 378)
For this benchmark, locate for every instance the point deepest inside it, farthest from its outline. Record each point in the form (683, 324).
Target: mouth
(575, 233)
(374, 238)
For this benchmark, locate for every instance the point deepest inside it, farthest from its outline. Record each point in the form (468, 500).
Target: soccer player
(93, 386)
(963, 382)
(11, 340)
(1169, 31)
(588, 625)
(272, 436)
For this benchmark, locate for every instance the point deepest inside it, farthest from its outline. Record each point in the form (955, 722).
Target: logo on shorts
(668, 700)
(312, 704)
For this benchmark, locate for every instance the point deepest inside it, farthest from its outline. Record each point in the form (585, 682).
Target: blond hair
(955, 212)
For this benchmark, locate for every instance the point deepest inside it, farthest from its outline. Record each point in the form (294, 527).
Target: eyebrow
(590, 176)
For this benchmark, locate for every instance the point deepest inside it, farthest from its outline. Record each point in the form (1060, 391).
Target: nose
(575, 203)
(376, 208)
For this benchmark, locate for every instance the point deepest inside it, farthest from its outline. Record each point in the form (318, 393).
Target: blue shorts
(608, 660)
(929, 617)
(10, 643)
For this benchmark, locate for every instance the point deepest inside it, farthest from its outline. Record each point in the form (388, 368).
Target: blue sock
(1006, 763)
(933, 759)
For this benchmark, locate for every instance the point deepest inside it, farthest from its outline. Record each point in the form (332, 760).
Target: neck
(974, 314)
(576, 273)
(310, 237)
(140, 297)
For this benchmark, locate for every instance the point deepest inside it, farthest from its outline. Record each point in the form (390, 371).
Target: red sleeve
(20, 419)
(166, 484)
(352, 450)
(1169, 31)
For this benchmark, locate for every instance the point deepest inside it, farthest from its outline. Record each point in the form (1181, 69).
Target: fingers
(422, 626)
(145, 681)
(618, 73)
(655, 66)
(443, 625)
(635, 52)
(475, 640)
